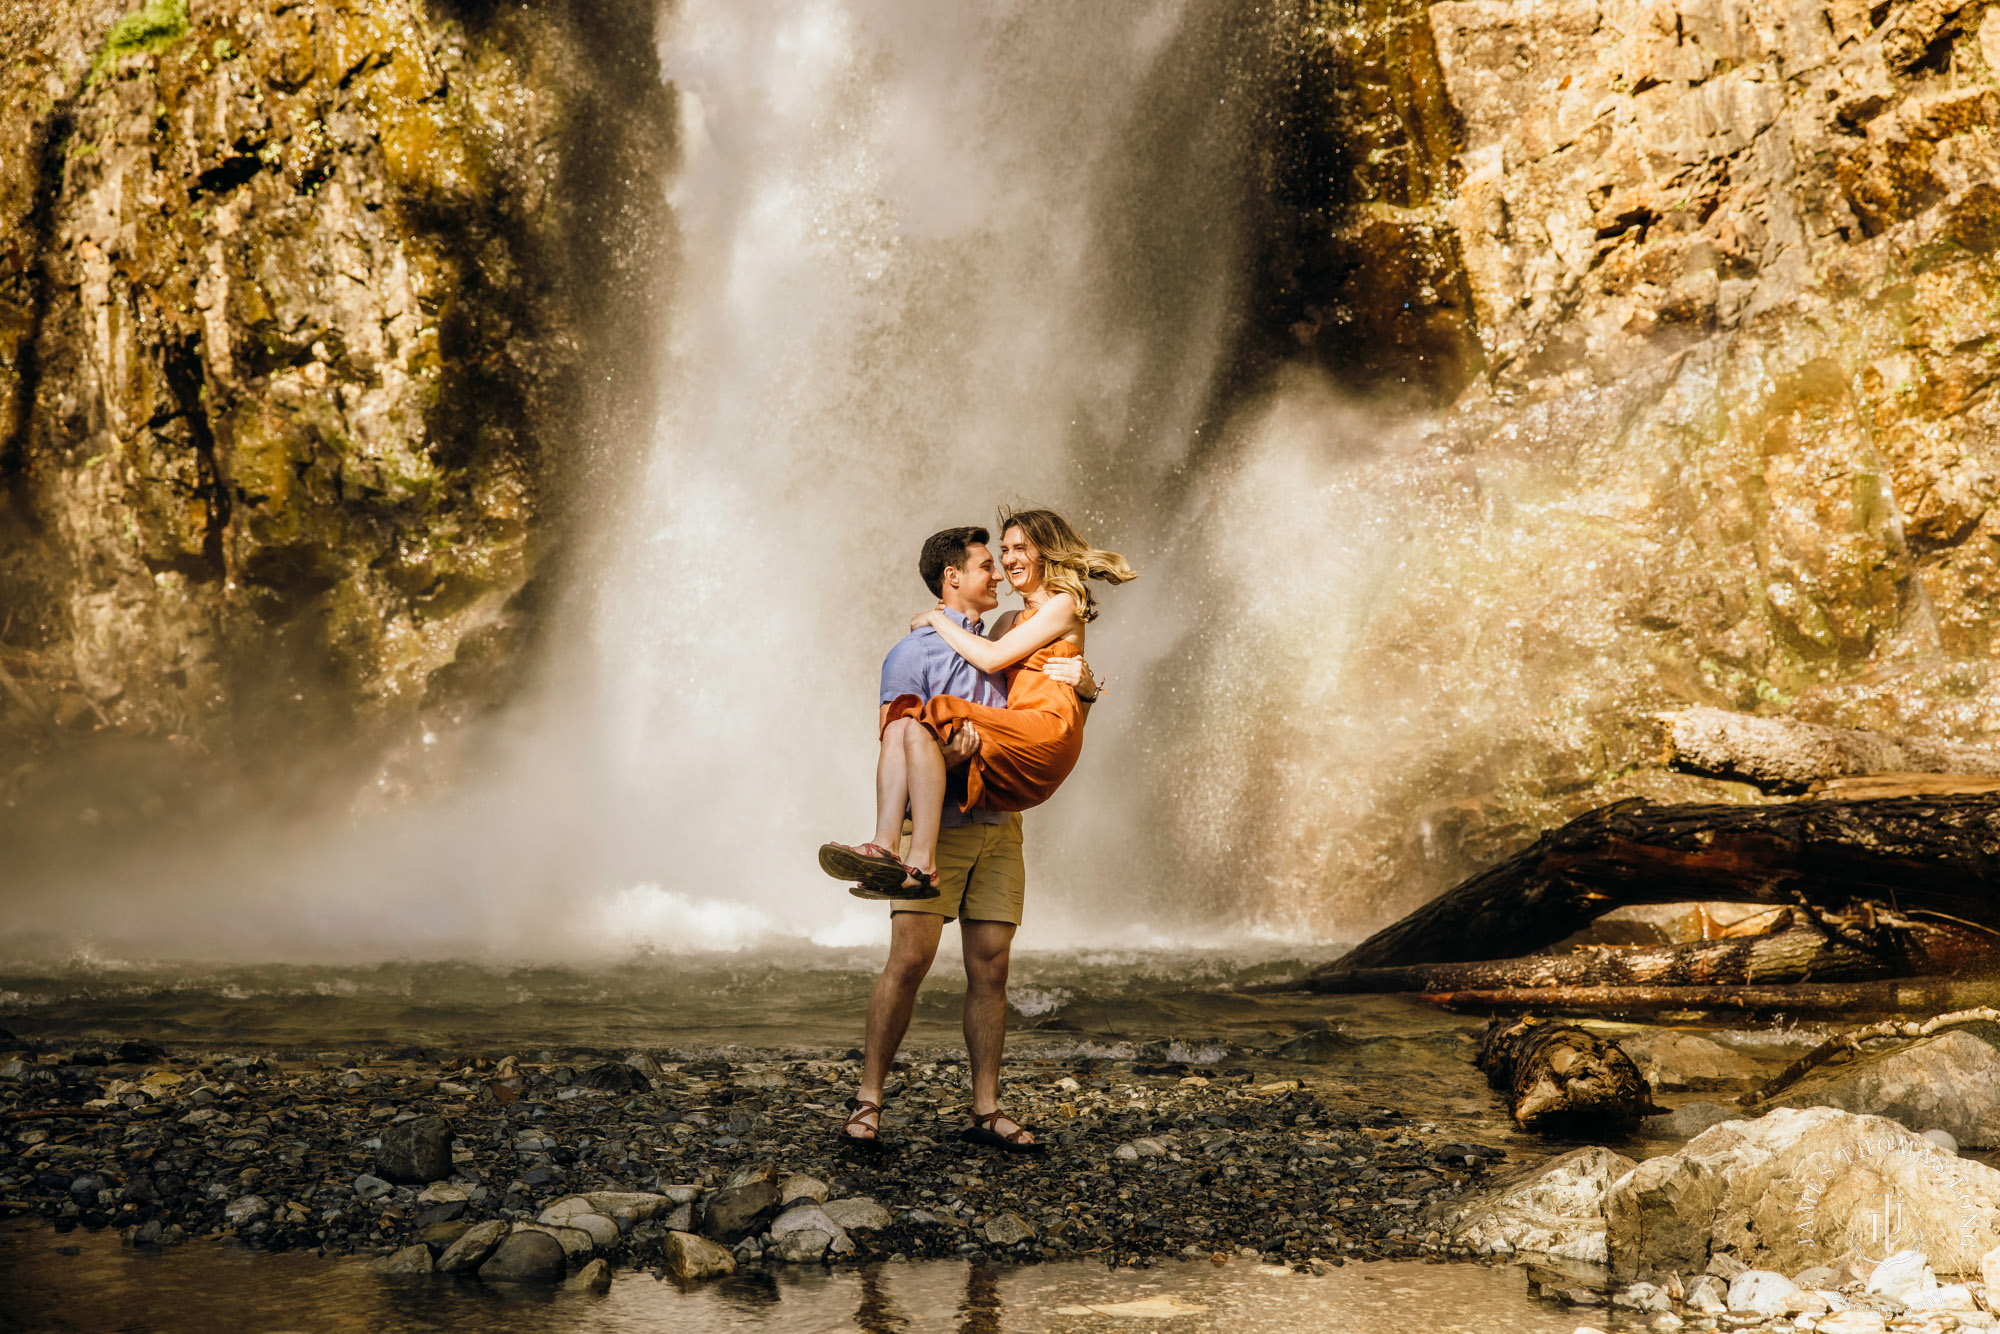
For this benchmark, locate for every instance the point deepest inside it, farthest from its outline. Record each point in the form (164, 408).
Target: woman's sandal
(863, 1109)
(921, 885)
(981, 1131)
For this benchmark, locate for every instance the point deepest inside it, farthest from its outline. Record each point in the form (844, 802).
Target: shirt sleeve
(903, 671)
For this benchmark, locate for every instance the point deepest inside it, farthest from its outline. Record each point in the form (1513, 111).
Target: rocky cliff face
(1725, 433)
(305, 308)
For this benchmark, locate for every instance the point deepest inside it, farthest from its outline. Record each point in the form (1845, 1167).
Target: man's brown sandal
(862, 1110)
(982, 1131)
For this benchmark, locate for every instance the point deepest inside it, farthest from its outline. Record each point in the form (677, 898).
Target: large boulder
(1950, 1082)
(1553, 1208)
(1801, 1187)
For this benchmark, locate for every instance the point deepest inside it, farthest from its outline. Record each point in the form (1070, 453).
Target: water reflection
(201, 1287)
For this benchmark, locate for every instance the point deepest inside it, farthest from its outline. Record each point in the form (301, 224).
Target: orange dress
(1025, 749)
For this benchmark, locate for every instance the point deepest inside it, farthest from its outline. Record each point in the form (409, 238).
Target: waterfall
(934, 259)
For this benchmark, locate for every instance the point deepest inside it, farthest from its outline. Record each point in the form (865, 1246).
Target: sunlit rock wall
(1731, 440)
(305, 309)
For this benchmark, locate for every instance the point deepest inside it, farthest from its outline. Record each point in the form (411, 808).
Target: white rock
(1706, 1295)
(1785, 1191)
(1943, 1139)
(1126, 1153)
(1852, 1322)
(1554, 1208)
(559, 1212)
(1643, 1297)
(1760, 1292)
(1903, 1277)
(1944, 1297)
(442, 1193)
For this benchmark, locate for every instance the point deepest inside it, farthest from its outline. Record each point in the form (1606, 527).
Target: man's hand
(1072, 672)
(964, 744)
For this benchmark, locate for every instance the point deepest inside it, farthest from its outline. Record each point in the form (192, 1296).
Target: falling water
(936, 258)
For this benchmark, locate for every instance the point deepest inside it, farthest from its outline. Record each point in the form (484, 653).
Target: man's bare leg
(913, 942)
(988, 951)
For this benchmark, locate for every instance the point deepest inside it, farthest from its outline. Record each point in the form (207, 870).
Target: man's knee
(912, 948)
(989, 948)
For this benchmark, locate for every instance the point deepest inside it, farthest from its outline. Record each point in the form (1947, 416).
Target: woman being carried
(1026, 749)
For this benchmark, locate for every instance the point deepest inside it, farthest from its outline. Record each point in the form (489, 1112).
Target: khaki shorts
(980, 873)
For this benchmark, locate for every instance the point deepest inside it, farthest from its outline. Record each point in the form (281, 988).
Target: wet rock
(1690, 1119)
(1671, 1060)
(1555, 1208)
(690, 1257)
(246, 1209)
(416, 1151)
(735, 1212)
(440, 1237)
(804, 1233)
(1759, 1292)
(410, 1260)
(472, 1249)
(576, 1243)
(1007, 1227)
(525, 1257)
(858, 1215)
(593, 1277)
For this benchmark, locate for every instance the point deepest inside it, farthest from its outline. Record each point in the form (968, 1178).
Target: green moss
(159, 25)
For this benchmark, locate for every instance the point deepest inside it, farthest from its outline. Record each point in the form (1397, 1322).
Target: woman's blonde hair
(1067, 560)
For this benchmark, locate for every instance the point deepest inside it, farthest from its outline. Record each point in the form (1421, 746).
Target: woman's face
(1021, 561)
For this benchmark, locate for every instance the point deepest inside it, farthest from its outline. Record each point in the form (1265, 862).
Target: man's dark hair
(946, 551)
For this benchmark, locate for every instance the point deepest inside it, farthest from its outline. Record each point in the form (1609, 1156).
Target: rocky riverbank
(700, 1165)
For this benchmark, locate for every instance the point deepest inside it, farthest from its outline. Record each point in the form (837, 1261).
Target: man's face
(978, 582)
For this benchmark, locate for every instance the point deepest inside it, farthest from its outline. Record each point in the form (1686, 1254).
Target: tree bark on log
(1786, 755)
(1795, 953)
(1930, 856)
(1913, 995)
(1559, 1076)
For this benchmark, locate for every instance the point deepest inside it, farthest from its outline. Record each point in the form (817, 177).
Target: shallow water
(205, 1287)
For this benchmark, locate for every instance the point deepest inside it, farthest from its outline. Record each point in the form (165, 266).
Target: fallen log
(1798, 1000)
(1888, 946)
(1872, 786)
(1787, 755)
(1559, 1076)
(1935, 857)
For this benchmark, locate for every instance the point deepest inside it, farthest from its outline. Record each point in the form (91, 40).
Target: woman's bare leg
(892, 781)
(924, 770)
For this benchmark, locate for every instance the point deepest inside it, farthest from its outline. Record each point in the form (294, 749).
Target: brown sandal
(982, 1131)
(862, 1109)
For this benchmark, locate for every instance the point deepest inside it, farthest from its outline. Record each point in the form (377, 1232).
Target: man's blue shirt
(922, 664)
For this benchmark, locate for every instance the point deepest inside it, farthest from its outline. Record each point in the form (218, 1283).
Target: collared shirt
(922, 664)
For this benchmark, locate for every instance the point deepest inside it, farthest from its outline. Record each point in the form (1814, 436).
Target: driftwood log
(1559, 1076)
(1799, 1000)
(1929, 858)
(1786, 755)
(1844, 948)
